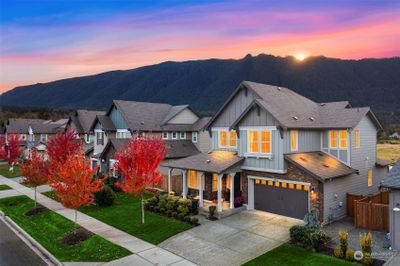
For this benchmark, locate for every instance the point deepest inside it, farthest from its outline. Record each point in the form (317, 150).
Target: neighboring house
(179, 126)
(33, 133)
(80, 122)
(392, 182)
(285, 154)
(395, 135)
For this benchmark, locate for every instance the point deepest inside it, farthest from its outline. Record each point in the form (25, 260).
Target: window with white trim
(227, 139)
(259, 141)
(43, 137)
(343, 139)
(194, 137)
(333, 139)
(182, 135)
(100, 137)
(23, 136)
(165, 135)
(293, 140)
(122, 134)
(194, 180)
(174, 135)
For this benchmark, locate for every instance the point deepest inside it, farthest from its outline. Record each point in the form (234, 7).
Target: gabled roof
(292, 110)
(105, 122)
(180, 149)
(83, 119)
(320, 165)
(39, 126)
(174, 111)
(392, 178)
(213, 162)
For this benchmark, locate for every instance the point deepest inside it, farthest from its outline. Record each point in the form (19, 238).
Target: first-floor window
(228, 181)
(369, 177)
(215, 182)
(194, 137)
(193, 179)
(23, 136)
(165, 135)
(113, 168)
(174, 135)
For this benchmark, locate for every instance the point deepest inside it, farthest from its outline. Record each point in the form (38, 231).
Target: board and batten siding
(362, 159)
(203, 143)
(117, 118)
(394, 198)
(186, 116)
(308, 140)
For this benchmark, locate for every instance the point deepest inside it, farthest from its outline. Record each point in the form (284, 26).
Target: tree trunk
(35, 197)
(142, 201)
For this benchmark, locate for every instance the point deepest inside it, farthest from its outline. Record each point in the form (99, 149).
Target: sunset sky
(45, 40)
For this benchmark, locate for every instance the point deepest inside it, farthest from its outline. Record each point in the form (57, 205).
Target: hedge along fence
(174, 207)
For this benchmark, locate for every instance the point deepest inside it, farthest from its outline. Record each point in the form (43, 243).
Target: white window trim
(258, 154)
(45, 137)
(95, 134)
(338, 139)
(23, 136)
(165, 137)
(297, 140)
(125, 131)
(172, 135)
(182, 134)
(228, 146)
(195, 137)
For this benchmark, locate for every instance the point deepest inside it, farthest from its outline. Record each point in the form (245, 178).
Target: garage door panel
(283, 201)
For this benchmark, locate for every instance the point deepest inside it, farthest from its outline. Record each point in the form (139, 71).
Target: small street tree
(34, 171)
(74, 183)
(12, 150)
(2, 148)
(138, 164)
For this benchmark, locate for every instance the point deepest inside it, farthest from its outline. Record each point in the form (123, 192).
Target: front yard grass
(4, 187)
(291, 255)
(48, 228)
(4, 171)
(125, 214)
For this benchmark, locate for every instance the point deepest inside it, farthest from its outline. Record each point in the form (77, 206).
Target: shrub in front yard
(343, 242)
(212, 210)
(187, 219)
(311, 219)
(366, 248)
(194, 221)
(105, 197)
(194, 208)
(318, 239)
(308, 238)
(349, 255)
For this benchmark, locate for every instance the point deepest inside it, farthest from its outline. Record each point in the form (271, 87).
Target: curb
(32, 243)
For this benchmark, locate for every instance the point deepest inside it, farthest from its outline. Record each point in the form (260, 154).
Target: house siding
(117, 118)
(184, 117)
(394, 198)
(203, 143)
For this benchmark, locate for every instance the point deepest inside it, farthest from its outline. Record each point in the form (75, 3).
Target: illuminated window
(266, 141)
(215, 182)
(253, 141)
(333, 139)
(257, 181)
(370, 177)
(306, 188)
(291, 186)
(284, 185)
(232, 138)
(357, 139)
(263, 182)
(343, 139)
(228, 182)
(223, 138)
(270, 183)
(299, 187)
(294, 139)
(193, 179)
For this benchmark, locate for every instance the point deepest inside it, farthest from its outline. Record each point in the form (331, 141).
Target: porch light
(312, 189)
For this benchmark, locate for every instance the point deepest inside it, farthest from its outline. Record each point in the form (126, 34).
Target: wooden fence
(370, 212)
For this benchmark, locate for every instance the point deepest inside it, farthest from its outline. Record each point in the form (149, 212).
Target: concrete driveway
(233, 240)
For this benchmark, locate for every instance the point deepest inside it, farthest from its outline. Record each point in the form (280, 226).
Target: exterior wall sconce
(312, 189)
(397, 208)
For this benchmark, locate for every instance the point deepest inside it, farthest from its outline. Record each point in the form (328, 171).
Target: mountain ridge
(206, 84)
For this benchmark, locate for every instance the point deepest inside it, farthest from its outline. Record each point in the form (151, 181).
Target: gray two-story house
(181, 128)
(285, 154)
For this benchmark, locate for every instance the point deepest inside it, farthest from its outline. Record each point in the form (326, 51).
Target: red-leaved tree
(2, 148)
(60, 148)
(12, 149)
(34, 171)
(74, 184)
(138, 164)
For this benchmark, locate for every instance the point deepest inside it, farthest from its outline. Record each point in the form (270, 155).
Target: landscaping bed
(125, 214)
(288, 254)
(4, 171)
(49, 229)
(4, 187)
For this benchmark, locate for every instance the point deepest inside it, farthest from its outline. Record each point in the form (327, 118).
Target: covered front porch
(217, 174)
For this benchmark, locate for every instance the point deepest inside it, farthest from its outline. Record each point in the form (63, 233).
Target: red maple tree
(2, 148)
(74, 184)
(138, 164)
(61, 147)
(11, 149)
(34, 171)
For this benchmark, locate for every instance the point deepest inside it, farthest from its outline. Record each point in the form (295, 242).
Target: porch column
(184, 184)
(201, 188)
(250, 193)
(219, 208)
(169, 179)
(232, 195)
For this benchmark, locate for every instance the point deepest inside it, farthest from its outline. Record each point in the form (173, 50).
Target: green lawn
(48, 228)
(4, 187)
(290, 255)
(125, 215)
(4, 171)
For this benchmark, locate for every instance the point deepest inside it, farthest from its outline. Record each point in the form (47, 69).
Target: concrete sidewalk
(144, 252)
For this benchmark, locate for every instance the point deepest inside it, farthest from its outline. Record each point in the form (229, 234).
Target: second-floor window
(356, 138)
(43, 137)
(194, 137)
(165, 135)
(122, 134)
(100, 137)
(174, 135)
(342, 139)
(227, 139)
(293, 140)
(23, 136)
(259, 141)
(338, 138)
(333, 139)
(369, 177)
(182, 135)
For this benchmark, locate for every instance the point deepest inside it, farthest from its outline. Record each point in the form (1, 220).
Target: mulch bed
(77, 236)
(37, 210)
